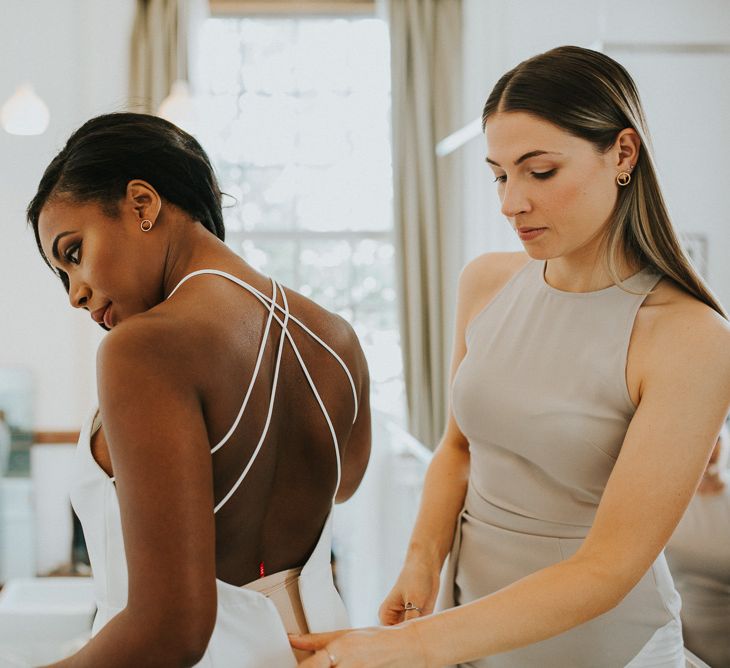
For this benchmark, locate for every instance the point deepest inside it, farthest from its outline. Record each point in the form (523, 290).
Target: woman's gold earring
(623, 178)
(146, 225)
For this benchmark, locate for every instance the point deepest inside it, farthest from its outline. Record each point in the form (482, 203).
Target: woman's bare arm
(161, 459)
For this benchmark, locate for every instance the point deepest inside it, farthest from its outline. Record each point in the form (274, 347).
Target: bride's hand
(375, 647)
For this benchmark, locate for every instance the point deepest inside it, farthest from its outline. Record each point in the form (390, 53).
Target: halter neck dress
(252, 621)
(541, 397)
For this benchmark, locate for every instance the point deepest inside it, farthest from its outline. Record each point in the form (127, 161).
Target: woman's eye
(500, 179)
(72, 254)
(544, 175)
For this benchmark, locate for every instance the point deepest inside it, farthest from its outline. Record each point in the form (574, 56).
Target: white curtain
(426, 71)
(163, 41)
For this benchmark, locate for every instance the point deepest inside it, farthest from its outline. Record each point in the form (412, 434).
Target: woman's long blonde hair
(593, 97)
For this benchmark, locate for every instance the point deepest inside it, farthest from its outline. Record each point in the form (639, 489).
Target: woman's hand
(412, 596)
(374, 647)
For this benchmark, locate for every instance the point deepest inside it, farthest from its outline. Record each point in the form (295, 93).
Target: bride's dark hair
(109, 151)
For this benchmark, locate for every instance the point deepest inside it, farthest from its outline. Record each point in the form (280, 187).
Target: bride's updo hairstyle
(109, 151)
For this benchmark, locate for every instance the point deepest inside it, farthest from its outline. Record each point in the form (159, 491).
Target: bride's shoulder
(151, 341)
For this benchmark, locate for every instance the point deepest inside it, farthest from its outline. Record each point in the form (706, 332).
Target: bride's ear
(143, 200)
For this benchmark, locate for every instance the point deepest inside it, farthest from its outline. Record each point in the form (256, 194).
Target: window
(296, 113)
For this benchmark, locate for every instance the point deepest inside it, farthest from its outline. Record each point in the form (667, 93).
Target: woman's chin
(536, 252)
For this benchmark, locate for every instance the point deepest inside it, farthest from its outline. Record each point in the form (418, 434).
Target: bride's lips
(97, 315)
(107, 317)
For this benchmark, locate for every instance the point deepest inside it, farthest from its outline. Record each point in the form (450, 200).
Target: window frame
(278, 8)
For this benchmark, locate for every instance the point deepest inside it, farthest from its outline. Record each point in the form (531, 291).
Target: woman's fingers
(391, 610)
(414, 608)
(373, 647)
(314, 641)
(397, 609)
(413, 595)
(390, 616)
(321, 659)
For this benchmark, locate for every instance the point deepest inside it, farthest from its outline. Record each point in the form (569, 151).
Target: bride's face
(106, 263)
(556, 190)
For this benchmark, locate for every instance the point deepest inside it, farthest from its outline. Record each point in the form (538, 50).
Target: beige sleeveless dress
(541, 396)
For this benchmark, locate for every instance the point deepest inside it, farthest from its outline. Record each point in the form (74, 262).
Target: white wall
(75, 54)
(687, 99)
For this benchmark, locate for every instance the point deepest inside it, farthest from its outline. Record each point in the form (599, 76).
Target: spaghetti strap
(277, 367)
(266, 300)
(272, 304)
(254, 375)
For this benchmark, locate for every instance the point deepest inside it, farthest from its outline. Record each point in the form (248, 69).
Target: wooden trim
(50, 437)
(665, 48)
(292, 7)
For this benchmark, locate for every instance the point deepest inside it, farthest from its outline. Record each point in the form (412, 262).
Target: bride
(233, 412)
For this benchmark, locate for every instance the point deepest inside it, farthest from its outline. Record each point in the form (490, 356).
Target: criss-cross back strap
(272, 304)
(268, 301)
(277, 367)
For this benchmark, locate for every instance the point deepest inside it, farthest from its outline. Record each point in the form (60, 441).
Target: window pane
(373, 281)
(325, 274)
(297, 113)
(263, 199)
(277, 259)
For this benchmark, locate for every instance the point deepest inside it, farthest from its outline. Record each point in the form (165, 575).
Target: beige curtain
(426, 66)
(159, 54)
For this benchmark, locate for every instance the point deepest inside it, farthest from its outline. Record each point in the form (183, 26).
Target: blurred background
(344, 136)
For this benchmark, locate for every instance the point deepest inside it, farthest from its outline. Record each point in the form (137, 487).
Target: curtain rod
(277, 7)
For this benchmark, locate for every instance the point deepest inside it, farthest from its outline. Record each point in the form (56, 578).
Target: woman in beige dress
(590, 379)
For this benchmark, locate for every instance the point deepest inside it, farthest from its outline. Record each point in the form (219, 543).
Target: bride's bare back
(275, 516)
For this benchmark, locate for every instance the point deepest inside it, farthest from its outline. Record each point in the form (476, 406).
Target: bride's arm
(161, 460)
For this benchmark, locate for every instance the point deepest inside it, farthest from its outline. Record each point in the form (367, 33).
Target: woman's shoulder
(334, 330)
(490, 270)
(210, 314)
(210, 319)
(673, 310)
(151, 339)
(484, 276)
(677, 325)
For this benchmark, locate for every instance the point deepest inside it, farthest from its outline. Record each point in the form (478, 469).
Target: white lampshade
(25, 113)
(179, 107)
